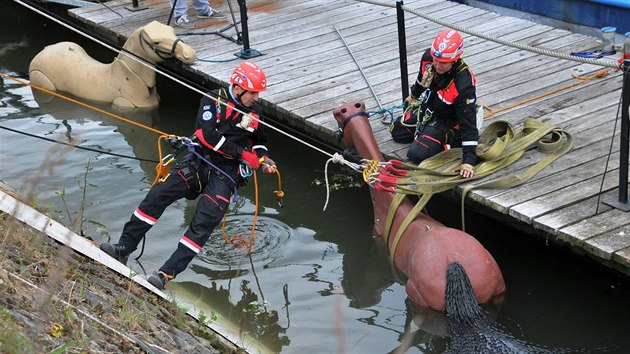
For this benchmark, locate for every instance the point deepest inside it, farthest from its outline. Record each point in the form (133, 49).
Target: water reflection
(141, 140)
(247, 311)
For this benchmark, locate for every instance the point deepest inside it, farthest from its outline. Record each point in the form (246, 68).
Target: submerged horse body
(126, 82)
(427, 247)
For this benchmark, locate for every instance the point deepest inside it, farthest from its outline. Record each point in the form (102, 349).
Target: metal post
(170, 15)
(622, 201)
(135, 6)
(245, 52)
(244, 27)
(402, 49)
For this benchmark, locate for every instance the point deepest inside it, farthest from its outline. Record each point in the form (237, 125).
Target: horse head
(425, 247)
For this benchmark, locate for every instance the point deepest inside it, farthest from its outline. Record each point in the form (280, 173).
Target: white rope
(160, 71)
(337, 158)
(601, 62)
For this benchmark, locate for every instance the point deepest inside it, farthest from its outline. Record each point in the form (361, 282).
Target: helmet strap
(238, 95)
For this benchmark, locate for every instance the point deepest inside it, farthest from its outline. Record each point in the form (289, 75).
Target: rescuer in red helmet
(228, 143)
(446, 116)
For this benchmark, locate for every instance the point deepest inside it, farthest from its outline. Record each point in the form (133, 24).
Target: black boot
(117, 251)
(159, 279)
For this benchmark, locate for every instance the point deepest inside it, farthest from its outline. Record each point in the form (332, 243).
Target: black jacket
(219, 129)
(453, 102)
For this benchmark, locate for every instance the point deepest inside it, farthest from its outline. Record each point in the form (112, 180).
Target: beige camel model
(126, 82)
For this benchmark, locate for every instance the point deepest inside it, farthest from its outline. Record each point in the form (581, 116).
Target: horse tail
(460, 301)
(473, 332)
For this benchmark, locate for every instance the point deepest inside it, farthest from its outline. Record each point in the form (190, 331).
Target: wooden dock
(311, 71)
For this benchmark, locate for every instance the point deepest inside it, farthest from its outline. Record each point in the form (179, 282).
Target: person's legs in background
(180, 14)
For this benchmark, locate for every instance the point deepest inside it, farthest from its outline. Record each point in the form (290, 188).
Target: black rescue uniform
(223, 134)
(447, 113)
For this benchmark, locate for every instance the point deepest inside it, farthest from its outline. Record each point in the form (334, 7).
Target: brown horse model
(426, 248)
(126, 82)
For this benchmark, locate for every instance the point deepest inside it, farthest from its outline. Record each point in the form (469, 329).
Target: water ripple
(269, 239)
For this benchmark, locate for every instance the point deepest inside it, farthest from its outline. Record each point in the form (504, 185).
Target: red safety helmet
(448, 46)
(249, 76)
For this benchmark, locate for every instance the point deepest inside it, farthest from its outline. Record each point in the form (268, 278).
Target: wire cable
(78, 146)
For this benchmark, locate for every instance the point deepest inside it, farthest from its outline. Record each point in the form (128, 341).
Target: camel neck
(144, 72)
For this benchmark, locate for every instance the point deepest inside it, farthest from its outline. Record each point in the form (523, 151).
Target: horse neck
(133, 45)
(358, 133)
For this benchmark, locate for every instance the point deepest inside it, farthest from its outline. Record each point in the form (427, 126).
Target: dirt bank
(53, 300)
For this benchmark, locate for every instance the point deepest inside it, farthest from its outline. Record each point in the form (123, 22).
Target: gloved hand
(250, 159)
(466, 170)
(269, 166)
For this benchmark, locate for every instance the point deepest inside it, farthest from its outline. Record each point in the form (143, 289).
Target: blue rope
(242, 53)
(386, 110)
(216, 61)
(595, 54)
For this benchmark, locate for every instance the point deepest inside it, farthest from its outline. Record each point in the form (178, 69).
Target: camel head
(160, 43)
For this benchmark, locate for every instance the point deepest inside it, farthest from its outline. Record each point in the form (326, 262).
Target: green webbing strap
(500, 145)
(398, 198)
(408, 220)
(559, 144)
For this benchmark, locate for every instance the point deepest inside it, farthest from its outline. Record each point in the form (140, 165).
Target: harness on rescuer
(418, 114)
(424, 111)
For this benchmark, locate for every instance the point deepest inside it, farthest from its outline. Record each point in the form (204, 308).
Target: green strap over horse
(500, 145)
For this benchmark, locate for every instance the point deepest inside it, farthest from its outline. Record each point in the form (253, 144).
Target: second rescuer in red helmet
(230, 137)
(446, 114)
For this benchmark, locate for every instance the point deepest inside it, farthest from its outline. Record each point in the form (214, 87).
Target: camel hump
(56, 54)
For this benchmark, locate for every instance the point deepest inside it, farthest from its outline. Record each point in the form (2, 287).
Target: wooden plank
(600, 224)
(551, 223)
(622, 257)
(563, 197)
(604, 246)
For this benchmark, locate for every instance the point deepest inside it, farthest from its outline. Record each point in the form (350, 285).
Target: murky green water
(316, 281)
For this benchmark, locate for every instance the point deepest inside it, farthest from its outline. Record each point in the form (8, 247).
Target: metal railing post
(135, 6)
(402, 49)
(622, 201)
(245, 52)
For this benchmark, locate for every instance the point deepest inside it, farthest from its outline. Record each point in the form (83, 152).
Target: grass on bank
(53, 300)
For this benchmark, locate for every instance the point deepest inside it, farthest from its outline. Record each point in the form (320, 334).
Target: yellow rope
(491, 111)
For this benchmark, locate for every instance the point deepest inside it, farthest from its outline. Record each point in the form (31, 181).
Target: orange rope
(242, 242)
(279, 193)
(81, 103)
(491, 111)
